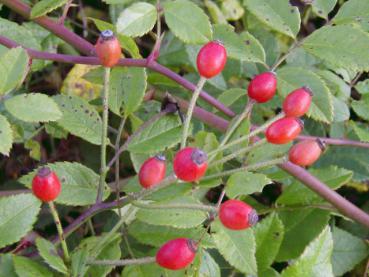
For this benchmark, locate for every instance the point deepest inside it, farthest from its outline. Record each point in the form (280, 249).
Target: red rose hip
(211, 59)
(190, 164)
(262, 87)
(284, 130)
(108, 49)
(298, 102)
(306, 152)
(176, 254)
(237, 215)
(152, 171)
(46, 185)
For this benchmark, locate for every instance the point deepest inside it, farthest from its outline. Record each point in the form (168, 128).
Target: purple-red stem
(87, 48)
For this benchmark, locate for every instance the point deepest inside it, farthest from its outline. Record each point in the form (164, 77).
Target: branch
(88, 49)
(313, 183)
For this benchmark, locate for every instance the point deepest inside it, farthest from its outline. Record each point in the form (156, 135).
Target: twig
(154, 206)
(146, 260)
(104, 135)
(55, 215)
(246, 168)
(65, 12)
(187, 123)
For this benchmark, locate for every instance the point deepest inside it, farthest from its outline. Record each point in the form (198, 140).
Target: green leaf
(6, 136)
(80, 118)
(116, 89)
(175, 217)
(361, 107)
(187, 21)
(208, 142)
(33, 107)
(134, 86)
(232, 10)
(208, 266)
(297, 193)
(348, 251)
(18, 214)
(278, 15)
(363, 87)
(26, 267)
(242, 47)
(215, 13)
(353, 11)
(163, 133)
(268, 236)
(323, 7)
(267, 152)
(315, 260)
(50, 255)
(156, 235)
(291, 78)
(45, 6)
(237, 247)
(340, 46)
(14, 66)
(244, 183)
(19, 34)
(362, 133)
(137, 20)
(298, 231)
(79, 183)
(126, 42)
(7, 266)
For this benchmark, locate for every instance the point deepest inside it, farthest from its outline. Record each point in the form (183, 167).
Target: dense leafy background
(50, 113)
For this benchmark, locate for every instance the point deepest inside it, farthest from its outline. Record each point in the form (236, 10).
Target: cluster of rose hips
(190, 163)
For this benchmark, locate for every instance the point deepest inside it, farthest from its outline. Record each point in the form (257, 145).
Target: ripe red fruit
(176, 254)
(152, 171)
(237, 215)
(284, 130)
(108, 48)
(211, 59)
(306, 152)
(297, 103)
(190, 164)
(262, 87)
(46, 185)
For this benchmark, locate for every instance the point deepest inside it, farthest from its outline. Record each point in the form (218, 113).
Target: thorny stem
(253, 133)
(246, 168)
(201, 207)
(146, 260)
(55, 215)
(104, 135)
(239, 152)
(195, 95)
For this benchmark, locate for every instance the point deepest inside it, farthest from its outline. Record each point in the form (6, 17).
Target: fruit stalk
(253, 133)
(246, 168)
(145, 260)
(241, 117)
(104, 134)
(195, 95)
(59, 227)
